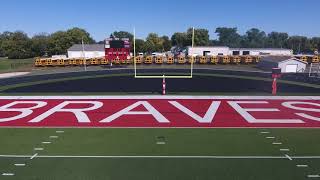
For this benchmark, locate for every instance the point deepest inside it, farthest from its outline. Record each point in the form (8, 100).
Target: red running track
(159, 111)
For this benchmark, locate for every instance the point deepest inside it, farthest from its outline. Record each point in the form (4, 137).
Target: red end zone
(159, 111)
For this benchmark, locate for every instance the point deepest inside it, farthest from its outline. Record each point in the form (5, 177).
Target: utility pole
(84, 57)
(192, 45)
(134, 52)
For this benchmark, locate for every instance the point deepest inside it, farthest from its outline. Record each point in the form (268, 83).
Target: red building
(117, 50)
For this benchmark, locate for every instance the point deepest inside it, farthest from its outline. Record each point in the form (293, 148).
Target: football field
(47, 142)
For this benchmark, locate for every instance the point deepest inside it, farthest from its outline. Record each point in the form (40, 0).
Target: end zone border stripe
(166, 97)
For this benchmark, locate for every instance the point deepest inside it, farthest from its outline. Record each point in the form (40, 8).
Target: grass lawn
(9, 65)
(143, 142)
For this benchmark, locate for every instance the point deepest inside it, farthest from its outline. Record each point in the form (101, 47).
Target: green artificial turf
(143, 142)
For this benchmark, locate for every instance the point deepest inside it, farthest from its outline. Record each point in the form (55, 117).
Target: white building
(223, 50)
(90, 51)
(261, 51)
(287, 64)
(208, 50)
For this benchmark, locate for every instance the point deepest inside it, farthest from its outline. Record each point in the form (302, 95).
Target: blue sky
(101, 17)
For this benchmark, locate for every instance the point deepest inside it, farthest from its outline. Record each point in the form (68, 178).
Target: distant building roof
(87, 47)
(260, 49)
(277, 59)
(257, 49)
(209, 47)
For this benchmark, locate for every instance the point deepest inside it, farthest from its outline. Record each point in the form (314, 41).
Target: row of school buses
(42, 62)
(49, 62)
(309, 59)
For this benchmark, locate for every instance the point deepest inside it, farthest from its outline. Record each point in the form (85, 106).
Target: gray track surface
(128, 84)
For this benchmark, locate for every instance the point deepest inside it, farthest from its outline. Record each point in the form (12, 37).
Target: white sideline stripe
(59, 131)
(35, 155)
(313, 176)
(287, 156)
(7, 174)
(209, 157)
(270, 137)
(20, 164)
(38, 149)
(276, 143)
(284, 149)
(161, 142)
(302, 165)
(53, 137)
(264, 132)
(165, 97)
(13, 74)
(46, 142)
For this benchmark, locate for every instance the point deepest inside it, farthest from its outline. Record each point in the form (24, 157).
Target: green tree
(214, 42)
(277, 39)
(17, 45)
(179, 39)
(40, 44)
(123, 34)
(5, 36)
(166, 43)
(1, 49)
(254, 38)
(153, 43)
(315, 43)
(228, 36)
(299, 44)
(201, 37)
(60, 41)
(140, 46)
(75, 36)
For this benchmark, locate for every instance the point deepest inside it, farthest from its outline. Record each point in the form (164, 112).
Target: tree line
(18, 45)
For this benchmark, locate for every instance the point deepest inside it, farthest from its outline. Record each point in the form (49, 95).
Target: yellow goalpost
(161, 76)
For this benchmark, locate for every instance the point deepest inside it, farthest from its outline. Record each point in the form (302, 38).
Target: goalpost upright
(162, 76)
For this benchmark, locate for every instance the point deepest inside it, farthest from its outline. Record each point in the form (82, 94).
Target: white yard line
(20, 164)
(38, 149)
(302, 165)
(284, 149)
(46, 142)
(186, 157)
(33, 156)
(313, 176)
(59, 132)
(276, 143)
(264, 132)
(287, 156)
(7, 174)
(270, 137)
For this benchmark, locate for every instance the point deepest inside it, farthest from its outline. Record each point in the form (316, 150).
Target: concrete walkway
(12, 74)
